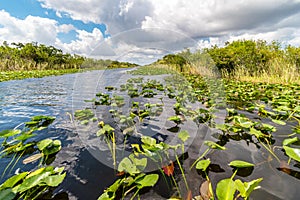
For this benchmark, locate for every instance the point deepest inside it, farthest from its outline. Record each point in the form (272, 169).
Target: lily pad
(240, 164)
(293, 153)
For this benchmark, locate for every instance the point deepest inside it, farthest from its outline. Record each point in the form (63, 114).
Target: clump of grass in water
(152, 70)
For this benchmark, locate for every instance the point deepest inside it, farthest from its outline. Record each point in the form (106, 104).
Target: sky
(141, 31)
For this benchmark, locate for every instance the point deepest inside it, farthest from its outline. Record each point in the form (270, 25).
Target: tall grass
(278, 70)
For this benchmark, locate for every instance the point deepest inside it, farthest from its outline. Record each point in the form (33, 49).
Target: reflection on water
(87, 177)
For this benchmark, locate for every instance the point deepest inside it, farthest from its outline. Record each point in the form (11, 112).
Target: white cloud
(32, 28)
(84, 43)
(65, 28)
(197, 19)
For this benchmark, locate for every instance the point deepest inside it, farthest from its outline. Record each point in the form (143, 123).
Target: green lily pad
(226, 189)
(147, 181)
(280, 122)
(183, 135)
(292, 153)
(240, 164)
(203, 164)
(289, 141)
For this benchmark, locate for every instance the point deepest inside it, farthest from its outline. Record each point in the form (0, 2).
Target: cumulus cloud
(32, 28)
(197, 19)
(118, 15)
(84, 44)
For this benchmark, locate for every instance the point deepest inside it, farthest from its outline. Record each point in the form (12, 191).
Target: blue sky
(22, 8)
(142, 30)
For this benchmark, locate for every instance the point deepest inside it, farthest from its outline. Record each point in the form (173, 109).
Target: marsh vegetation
(173, 125)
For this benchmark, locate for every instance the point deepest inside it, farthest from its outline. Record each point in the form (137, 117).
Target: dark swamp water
(87, 175)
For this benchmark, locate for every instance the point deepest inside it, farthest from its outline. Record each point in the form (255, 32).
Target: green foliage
(30, 185)
(226, 189)
(34, 56)
(203, 164)
(240, 164)
(16, 75)
(153, 69)
(117, 64)
(248, 58)
(246, 188)
(293, 153)
(85, 114)
(214, 145)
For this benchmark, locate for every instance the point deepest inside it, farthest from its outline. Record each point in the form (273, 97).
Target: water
(86, 176)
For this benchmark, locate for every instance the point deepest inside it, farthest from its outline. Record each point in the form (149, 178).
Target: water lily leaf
(240, 187)
(24, 137)
(110, 193)
(214, 145)
(175, 119)
(84, 122)
(54, 180)
(226, 189)
(203, 164)
(7, 194)
(243, 122)
(40, 122)
(33, 181)
(246, 188)
(280, 122)
(240, 164)
(38, 171)
(44, 143)
(139, 163)
(292, 153)
(147, 181)
(106, 196)
(48, 146)
(12, 181)
(9, 133)
(114, 187)
(127, 166)
(269, 127)
(148, 140)
(289, 141)
(23, 147)
(106, 129)
(256, 133)
(183, 135)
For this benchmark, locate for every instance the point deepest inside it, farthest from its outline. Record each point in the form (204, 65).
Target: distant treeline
(253, 57)
(34, 56)
(105, 64)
